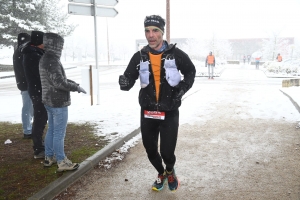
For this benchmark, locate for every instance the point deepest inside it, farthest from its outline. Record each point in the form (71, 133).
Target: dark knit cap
(37, 37)
(155, 20)
(22, 38)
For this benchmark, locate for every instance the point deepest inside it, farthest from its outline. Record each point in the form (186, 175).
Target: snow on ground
(118, 111)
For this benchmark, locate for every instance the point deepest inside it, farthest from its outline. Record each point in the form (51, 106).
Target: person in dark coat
(32, 52)
(159, 66)
(27, 108)
(56, 98)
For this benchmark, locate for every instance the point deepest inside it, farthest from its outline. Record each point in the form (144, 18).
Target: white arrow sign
(100, 2)
(77, 9)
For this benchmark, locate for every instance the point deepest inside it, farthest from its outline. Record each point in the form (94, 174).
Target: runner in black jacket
(158, 65)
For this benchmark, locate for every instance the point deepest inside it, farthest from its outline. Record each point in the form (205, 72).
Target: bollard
(91, 84)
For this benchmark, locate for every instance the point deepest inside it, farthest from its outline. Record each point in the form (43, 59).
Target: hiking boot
(67, 165)
(158, 185)
(49, 161)
(39, 154)
(27, 136)
(173, 181)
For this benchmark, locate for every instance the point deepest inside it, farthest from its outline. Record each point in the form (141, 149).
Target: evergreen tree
(55, 18)
(18, 16)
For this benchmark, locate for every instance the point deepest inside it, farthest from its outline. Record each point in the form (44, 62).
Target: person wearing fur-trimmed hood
(56, 97)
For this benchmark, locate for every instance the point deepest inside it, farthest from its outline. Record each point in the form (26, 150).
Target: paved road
(242, 145)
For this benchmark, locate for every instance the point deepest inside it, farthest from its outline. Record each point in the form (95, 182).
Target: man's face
(154, 37)
(41, 46)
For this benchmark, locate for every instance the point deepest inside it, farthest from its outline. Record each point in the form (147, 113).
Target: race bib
(154, 114)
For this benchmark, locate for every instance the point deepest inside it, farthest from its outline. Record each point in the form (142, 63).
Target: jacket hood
(23, 38)
(53, 43)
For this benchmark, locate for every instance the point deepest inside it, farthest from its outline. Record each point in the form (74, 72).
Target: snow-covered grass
(284, 68)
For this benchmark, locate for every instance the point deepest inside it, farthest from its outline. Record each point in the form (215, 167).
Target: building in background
(238, 47)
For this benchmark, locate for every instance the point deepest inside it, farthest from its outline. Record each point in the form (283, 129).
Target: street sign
(80, 9)
(100, 2)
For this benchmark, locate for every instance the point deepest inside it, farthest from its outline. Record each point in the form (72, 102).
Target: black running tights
(167, 129)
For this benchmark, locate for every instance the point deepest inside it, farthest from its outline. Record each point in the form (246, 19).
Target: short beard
(154, 46)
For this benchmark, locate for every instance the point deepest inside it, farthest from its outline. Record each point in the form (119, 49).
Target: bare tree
(274, 45)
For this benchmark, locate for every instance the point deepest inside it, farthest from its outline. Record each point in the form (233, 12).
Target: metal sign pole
(90, 10)
(107, 42)
(96, 51)
(91, 83)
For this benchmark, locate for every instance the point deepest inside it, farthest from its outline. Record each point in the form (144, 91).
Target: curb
(57, 186)
(10, 76)
(292, 100)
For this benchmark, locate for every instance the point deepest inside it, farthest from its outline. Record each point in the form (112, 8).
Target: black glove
(123, 81)
(80, 89)
(179, 95)
(70, 81)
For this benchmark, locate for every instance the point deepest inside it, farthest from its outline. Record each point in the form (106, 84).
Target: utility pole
(168, 21)
(108, 58)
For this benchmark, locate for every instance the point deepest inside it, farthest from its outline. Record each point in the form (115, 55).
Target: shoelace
(170, 178)
(159, 179)
(68, 162)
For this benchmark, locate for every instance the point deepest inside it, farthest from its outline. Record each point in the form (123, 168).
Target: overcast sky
(202, 18)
